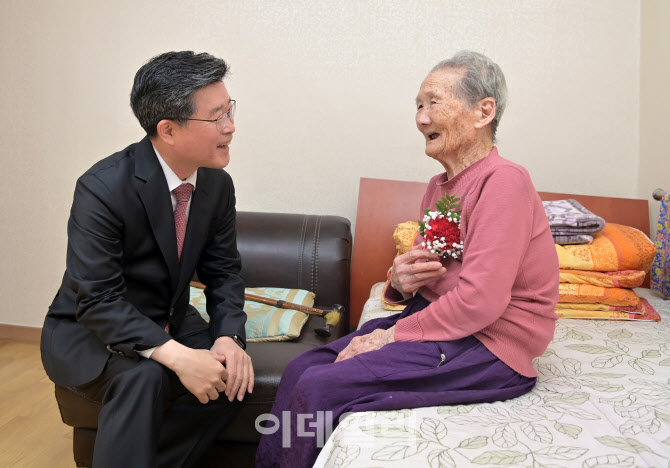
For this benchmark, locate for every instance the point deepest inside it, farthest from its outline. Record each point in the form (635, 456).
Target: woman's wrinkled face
(445, 120)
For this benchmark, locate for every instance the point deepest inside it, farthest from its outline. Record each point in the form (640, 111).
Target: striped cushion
(264, 322)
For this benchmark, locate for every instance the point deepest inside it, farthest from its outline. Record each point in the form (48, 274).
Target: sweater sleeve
(497, 233)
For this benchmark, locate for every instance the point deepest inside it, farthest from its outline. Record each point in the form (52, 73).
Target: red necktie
(182, 194)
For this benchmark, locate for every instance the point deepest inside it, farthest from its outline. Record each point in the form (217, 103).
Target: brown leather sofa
(280, 250)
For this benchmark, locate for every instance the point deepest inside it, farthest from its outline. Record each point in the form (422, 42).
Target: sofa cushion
(265, 322)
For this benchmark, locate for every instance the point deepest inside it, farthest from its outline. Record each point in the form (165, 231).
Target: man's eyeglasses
(223, 118)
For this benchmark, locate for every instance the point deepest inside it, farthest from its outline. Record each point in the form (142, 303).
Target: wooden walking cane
(332, 316)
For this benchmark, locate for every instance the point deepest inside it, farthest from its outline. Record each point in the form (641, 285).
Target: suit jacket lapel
(197, 228)
(155, 196)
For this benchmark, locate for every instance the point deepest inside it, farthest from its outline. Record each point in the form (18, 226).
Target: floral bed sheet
(602, 400)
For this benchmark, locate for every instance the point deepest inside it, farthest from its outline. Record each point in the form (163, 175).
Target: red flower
(442, 227)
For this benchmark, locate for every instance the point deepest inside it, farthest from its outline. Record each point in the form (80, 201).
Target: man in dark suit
(121, 331)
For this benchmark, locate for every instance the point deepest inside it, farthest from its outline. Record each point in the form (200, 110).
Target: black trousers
(148, 418)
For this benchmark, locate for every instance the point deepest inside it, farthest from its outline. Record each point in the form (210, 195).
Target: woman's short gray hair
(483, 78)
(164, 86)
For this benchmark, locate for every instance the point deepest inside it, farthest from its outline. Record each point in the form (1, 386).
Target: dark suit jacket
(123, 280)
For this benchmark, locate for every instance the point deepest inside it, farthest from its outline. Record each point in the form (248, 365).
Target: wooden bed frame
(383, 204)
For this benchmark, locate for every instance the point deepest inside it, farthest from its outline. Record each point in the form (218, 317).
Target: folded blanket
(608, 279)
(587, 293)
(615, 248)
(570, 217)
(637, 309)
(572, 239)
(648, 314)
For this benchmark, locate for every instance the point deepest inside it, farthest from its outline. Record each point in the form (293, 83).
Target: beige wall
(654, 102)
(325, 93)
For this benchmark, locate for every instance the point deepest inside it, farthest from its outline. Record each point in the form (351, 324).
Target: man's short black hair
(164, 86)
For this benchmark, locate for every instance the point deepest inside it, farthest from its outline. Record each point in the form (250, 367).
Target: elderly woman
(472, 324)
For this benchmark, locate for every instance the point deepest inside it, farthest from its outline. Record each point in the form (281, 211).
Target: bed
(603, 392)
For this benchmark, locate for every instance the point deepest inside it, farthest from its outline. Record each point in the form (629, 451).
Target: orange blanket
(647, 313)
(609, 279)
(587, 293)
(598, 306)
(615, 248)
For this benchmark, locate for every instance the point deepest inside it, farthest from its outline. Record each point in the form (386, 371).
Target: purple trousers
(315, 391)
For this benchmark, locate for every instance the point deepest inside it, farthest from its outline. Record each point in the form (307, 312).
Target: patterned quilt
(602, 400)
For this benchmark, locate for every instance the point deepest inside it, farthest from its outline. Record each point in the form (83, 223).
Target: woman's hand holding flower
(414, 269)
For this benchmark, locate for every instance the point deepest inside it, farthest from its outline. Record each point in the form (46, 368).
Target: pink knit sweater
(505, 288)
